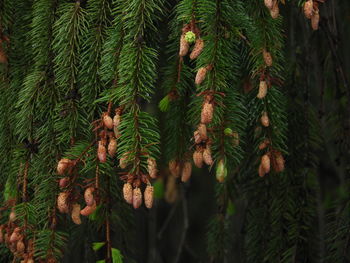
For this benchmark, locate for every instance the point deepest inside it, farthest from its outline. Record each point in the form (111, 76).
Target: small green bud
(164, 104)
(228, 131)
(190, 37)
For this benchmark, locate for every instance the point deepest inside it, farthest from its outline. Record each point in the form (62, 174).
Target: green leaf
(116, 256)
(97, 245)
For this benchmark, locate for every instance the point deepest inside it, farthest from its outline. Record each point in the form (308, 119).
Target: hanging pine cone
(62, 202)
(261, 171)
(200, 76)
(207, 158)
(116, 123)
(198, 48)
(63, 165)
(221, 171)
(20, 247)
(123, 162)
(184, 46)
(112, 147)
(207, 113)
(127, 192)
(174, 168)
(152, 167)
(16, 235)
(279, 163)
(275, 11)
(308, 9)
(269, 3)
(265, 163)
(267, 58)
(148, 196)
(136, 198)
(186, 171)
(265, 121)
(198, 158)
(101, 152)
(88, 210)
(75, 214)
(107, 121)
(315, 20)
(262, 89)
(89, 196)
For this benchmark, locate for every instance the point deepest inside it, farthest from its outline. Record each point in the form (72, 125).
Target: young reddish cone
(12, 216)
(268, 3)
(174, 168)
(116, 123)
(88, 210)
(15, 236)
(198, 158)
(308, 9)
(89, 196)
(123, 162)
(207, 113)
(265, 163)
(262, 89)
(197, 137)
(279, 163)
(127, 193)
(207, 156)
(198, 48)
(267, 58)
(315, 20)
(152, 167)
(261, 171)
(221, 171)
(136, 198)
(20, 247)
(62, 202)
(200, 76)
(265, 119)
(275, 11)
(148, 196)
(75, 214)
(186, 171)
(264, 144)
(101, 152)
(112, 147)
(107, 121)
(184, 46)
(63, 182)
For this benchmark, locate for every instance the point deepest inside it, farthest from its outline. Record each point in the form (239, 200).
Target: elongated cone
(308, 9)
(198, 48)
(123, 162)
(101, 152)
(63, 182)
(202, 131)
(107, 121)
(116, 123)
(12, 216)
(279, 163)
(221, 171)
(75, 214)
(268, 3)
(152, 167)
(62, 165)
(148, 196)
(265, 119)
(136, 198)
(315, 20)
(88, 210)
(127, 192)
(20, 247)
(275, 11)
(62, 202)
(186, 171)
(184, 46)
(174, 168)
(112, 147)
(15, 236)
(207, 156)
(265, 163)
(198, 158)
(261, 171)
(89, 196)
(262, 90)
(267, 58)
(207, 113)
(200, 76)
